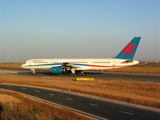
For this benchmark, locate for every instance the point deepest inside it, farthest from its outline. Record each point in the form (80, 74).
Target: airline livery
(56, 66)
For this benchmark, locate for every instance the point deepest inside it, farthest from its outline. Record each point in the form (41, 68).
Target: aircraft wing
(69, 65)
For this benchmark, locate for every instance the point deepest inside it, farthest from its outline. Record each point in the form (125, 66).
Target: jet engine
(56, 70)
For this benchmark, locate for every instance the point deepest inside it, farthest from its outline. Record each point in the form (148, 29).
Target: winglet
(129, 51)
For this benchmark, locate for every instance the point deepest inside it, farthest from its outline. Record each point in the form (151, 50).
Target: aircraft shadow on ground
(52, 74)
(91, 73)
(23, 72)
(37, 73)
(68, 74)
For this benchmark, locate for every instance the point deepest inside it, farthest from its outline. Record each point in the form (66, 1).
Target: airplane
(57, 66)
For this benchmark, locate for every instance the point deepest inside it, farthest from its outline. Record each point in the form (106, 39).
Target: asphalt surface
(154, 78)
(96, 107)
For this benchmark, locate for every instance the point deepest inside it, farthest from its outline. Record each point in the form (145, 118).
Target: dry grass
(11, 65)
(8, 99)
(147, 94)
(135, 69)
(149, 64)
(32, 110)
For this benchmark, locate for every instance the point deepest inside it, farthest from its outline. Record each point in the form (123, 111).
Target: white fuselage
(81, 64)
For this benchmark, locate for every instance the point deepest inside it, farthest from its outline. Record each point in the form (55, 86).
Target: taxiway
(154, 78)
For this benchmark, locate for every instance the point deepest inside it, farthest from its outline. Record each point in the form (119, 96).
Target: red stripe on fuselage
(104, 66)
(98, 66)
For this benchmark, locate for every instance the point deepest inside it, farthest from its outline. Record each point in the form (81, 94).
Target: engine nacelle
(56, 70)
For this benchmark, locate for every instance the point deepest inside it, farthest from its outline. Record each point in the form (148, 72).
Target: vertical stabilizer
(129, 51)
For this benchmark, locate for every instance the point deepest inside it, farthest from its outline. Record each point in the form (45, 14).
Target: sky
(78, 28)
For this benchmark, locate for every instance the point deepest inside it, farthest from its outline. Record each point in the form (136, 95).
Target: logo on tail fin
(129, 51)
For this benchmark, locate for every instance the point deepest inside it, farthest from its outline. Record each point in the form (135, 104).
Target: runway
(90, 74)
(96, 107)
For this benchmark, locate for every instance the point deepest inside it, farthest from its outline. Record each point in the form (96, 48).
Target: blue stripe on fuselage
(79, 64)
(45, 64)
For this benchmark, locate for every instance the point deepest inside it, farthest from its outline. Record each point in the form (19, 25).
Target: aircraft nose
(22, 66)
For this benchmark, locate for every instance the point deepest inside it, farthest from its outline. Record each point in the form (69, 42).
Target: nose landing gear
(33, 72)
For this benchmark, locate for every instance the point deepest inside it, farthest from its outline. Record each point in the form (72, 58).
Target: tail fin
(129, 51)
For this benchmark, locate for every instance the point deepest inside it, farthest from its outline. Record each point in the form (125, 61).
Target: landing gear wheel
(33, 73)
(82, 74)
(73, 74)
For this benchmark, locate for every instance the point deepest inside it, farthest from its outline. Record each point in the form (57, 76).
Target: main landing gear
(74, 74)
(82, 74)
